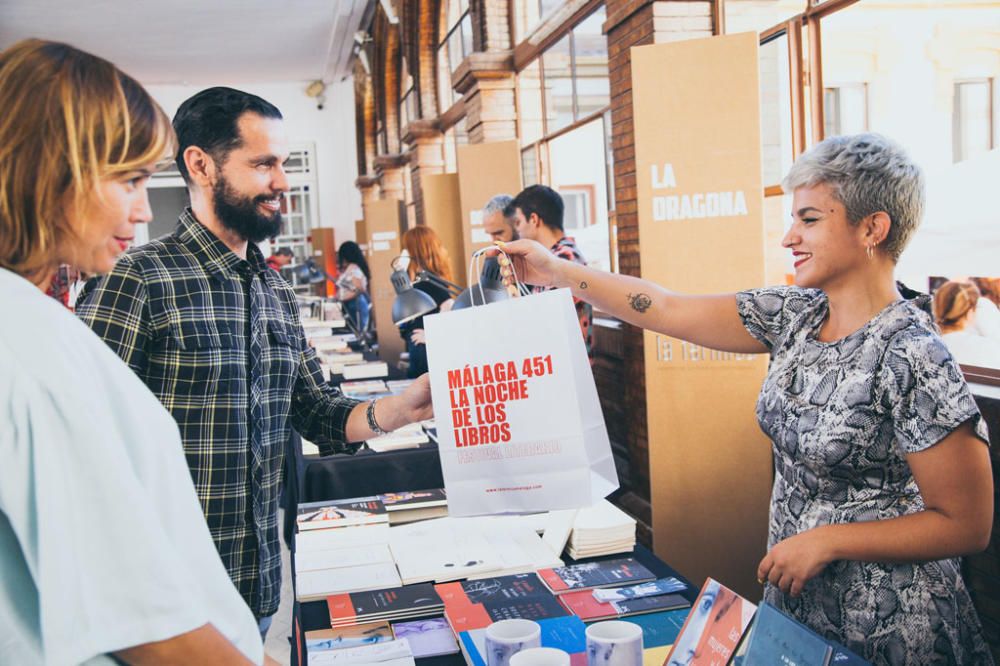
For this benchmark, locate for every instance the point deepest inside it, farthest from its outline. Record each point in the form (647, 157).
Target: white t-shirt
(103, 544)
(968, 348)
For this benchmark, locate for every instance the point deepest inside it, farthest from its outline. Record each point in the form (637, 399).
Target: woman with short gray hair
(881, 477)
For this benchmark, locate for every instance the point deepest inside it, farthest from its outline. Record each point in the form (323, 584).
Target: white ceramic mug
(508, 637)
(540, 656)
(614, 643)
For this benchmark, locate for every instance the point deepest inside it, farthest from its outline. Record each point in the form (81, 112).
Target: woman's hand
(418, 337)
(795, 561)
(532, 262)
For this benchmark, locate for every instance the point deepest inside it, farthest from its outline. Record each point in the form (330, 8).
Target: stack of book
(617, 602)
(340, 548)
(384, 605)
(602, 529)
(396, 386)
(414, 505)
(409, 436)
(365, 389)
(364, 370)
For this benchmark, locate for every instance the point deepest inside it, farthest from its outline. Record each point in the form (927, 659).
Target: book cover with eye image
(589, 575)
(350, 636)
(713, 627)
(357, 511)
(410, 601)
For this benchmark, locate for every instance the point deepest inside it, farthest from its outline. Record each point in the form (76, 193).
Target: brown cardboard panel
(484, 170)
(443, 214)
(382, 219)
(700, 209)
(361, 234)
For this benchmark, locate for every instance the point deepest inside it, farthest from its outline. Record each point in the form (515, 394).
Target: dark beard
(240, 215)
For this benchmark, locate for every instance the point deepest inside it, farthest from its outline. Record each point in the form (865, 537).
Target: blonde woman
(956, 311)
(882, 473)
(103, 546)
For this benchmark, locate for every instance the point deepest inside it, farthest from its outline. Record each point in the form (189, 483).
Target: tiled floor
(277, 645)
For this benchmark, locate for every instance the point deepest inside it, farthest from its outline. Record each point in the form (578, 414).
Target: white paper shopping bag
(519, 422)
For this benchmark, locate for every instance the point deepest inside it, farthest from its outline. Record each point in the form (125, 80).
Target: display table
(315, 615)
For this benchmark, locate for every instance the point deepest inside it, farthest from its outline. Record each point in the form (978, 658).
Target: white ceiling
(199, 42)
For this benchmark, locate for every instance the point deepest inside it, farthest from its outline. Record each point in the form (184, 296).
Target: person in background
(882, 476)
(103, 546)
(955, 310)
(352, 283)
(987, 321)
(426, 253)
(538, 215)
(496, 223)
(215, 334)
(281, 258)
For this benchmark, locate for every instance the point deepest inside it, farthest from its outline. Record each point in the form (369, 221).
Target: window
(529, 14)
(578, 201)
(530, 104)
(574, 80)
(753, 15)
(845, 109)
(973, 119)
(407, 97)
(455, 45)
(454, 137)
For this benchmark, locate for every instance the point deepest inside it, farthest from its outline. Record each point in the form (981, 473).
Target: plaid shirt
(565, 248)
(219, 341)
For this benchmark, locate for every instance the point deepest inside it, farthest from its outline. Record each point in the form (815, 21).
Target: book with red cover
(474, 604)
(587, 608)
(343, 513)
(409, 601)
(713, 627)
(588, 575)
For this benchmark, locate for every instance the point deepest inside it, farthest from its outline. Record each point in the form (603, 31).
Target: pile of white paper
(343, 559)
(602, 529)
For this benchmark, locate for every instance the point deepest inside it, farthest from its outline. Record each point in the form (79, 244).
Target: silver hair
(868, 173)
(497, 204)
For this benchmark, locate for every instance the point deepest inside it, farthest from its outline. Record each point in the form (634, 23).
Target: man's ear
(534, 220)
(200, 165)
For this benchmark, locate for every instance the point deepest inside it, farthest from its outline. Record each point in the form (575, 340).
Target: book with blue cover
(661, 628)
(776, 638)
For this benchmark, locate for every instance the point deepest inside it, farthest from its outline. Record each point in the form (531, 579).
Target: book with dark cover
(395, 602)
(474, 604)
(357, 511)
(778, 639)
(589, 575)
(586, 607)
(416, 499)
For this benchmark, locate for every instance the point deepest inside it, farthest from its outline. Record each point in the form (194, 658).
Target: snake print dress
(842, 416)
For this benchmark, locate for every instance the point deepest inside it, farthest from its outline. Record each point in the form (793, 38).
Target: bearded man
(215, 334)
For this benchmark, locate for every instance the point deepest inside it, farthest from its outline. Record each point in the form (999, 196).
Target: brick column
(487, 82)
(368, 185)
(390, 172)
(426, 150)
(635, 23)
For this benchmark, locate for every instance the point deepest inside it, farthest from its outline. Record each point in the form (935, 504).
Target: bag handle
(518, 288)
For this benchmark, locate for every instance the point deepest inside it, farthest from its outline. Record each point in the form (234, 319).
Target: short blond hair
(69, 120)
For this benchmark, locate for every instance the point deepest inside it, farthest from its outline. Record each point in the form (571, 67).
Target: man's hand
(418, 337)
(796, 560)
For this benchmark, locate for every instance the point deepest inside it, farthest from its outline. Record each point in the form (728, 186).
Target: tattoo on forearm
(583, 285)
(639, 302)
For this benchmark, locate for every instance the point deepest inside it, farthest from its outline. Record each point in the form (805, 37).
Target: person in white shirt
(105, 556)
(955, 311)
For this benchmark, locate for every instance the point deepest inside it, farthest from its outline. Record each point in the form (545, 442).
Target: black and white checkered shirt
(219, 341)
